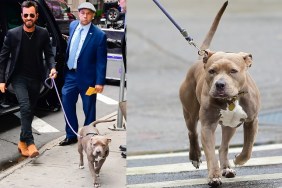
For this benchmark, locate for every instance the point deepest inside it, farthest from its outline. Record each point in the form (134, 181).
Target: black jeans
(27, 91)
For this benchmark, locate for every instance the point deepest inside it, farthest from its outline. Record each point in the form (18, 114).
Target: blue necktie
(73, 51)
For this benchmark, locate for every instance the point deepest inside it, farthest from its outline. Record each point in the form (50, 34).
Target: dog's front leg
(92, 170)
(227, 133)
(250, 132)
(80, 151)
(98, 166)
(208, 142)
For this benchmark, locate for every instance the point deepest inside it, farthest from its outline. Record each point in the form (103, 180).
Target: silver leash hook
(202, 52)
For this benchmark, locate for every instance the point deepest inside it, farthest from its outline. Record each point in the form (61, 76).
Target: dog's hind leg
(227, 133)
(80, 151)
(250, 132)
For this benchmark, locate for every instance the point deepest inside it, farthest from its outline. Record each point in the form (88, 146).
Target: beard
(29, 23)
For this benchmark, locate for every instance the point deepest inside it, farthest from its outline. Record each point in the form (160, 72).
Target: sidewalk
(57, 166)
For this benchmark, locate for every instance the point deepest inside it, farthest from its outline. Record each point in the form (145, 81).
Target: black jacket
(11, 48)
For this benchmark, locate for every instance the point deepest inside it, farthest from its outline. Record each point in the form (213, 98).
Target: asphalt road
(159, 57)
(173, 170)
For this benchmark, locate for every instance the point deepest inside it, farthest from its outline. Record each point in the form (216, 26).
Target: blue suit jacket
(92, 60)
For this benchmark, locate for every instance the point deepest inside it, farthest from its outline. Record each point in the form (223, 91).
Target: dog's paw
(196, 164)
(81, 167)
(239, 160)
(214, 182)
(97, 185)
(228, 173)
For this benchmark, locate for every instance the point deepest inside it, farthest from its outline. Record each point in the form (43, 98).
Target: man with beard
(25, 46)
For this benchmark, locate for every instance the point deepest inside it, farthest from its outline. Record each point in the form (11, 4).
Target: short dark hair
(27, 4)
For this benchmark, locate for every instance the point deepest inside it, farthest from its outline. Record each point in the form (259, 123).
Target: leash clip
(182, 31)
(192, 43)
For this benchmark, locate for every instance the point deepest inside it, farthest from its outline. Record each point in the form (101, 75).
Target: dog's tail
(102, 121)
(213, 28)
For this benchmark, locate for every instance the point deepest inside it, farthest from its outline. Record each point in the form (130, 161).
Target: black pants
(27, 91)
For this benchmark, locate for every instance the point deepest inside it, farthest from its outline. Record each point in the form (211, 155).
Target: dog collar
(91, 134)
(231, 103)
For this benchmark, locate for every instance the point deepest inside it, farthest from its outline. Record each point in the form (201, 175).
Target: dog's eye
(211, 71)
(233, 71)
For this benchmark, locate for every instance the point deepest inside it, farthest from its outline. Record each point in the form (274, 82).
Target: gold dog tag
(231, 106)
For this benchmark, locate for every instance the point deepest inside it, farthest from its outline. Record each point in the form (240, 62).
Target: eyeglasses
(30, 15)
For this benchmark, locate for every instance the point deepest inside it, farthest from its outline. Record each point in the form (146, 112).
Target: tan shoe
(32, 151)
(22, 147)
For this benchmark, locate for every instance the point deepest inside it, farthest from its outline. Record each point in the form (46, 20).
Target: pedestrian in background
(25, 46)
(85, 72)
(122, 4)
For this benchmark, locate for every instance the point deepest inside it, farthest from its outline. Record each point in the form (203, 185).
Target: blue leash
(182, 31)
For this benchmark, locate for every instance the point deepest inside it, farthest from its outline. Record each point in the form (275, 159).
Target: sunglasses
(30, 15)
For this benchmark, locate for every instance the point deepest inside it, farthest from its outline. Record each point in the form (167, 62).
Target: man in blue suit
(85, 71)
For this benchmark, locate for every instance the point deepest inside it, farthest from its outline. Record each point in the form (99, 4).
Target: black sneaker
(122, 147)
(68, 141)
(123, 154)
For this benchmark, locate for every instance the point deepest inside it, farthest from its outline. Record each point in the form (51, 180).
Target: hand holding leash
(53, 73)
(2, 87)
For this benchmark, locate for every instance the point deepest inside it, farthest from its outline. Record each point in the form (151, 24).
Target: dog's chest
(233, 118)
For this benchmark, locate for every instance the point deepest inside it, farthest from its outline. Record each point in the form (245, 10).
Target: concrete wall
(73, 4)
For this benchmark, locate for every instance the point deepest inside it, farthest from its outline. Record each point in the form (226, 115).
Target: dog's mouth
(98, 158)
(220, 94)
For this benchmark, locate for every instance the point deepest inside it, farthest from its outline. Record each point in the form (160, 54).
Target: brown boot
(22, 147)
(32, 151)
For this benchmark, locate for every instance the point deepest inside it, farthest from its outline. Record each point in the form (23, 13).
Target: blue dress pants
(27, 91)
(70, 92)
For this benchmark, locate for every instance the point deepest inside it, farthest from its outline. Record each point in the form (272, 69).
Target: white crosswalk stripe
(42, 126)
(106, 99)
(186, 167)
(184, 154)
(178, 183)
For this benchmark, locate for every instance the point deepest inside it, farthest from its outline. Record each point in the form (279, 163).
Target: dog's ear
(109, 140)
(248, 58)
(207, 55)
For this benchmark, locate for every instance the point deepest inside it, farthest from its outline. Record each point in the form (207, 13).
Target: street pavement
(57, 166)
(172, 170)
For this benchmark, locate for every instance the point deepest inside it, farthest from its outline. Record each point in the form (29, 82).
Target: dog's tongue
(221, 94)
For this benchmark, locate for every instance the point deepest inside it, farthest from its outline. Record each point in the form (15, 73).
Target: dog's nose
(220, 85)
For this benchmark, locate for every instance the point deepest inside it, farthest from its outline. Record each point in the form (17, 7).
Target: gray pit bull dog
(219, 90)
(95, 146)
